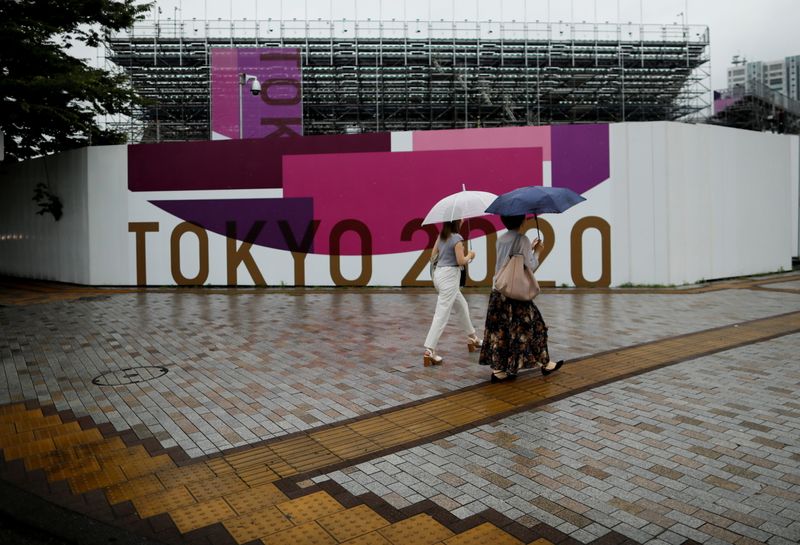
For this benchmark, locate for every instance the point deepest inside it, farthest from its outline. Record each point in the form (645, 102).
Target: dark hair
(448, 228)
(512, 223)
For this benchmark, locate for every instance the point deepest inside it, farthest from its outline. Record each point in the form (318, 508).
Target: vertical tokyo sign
(276, 112)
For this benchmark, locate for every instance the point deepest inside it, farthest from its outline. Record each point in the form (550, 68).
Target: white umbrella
(458, 206)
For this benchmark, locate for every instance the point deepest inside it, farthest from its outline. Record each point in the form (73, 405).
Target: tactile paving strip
(485, 533)
(352, 523)
(216, 487)
(253, 499)
(257, 524)
(309, 533)
(162, 502)
(420, 529)
(202, 514)
(143, 486)
(372, 538)
(311, 507)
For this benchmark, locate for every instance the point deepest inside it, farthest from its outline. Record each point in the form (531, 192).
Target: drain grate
(131, 375)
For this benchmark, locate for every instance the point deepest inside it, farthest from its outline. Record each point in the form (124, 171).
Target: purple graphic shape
(214, 214)
(281, 92)
(276, 111)
(580, 156)
(233, 164)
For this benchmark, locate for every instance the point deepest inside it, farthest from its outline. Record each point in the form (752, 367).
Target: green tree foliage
(49, 99)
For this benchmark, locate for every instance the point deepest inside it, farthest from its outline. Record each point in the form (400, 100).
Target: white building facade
(782, 76)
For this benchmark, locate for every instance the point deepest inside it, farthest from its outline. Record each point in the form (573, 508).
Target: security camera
(255, 86)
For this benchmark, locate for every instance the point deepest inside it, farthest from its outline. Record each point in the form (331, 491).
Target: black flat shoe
(559, 363)
(494, 378)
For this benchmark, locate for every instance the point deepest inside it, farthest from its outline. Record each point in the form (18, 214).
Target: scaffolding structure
(360, 76)
(757, 107)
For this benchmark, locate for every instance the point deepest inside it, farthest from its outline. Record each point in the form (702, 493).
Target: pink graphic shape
(225, 91)
(503, 137)
(387, 190)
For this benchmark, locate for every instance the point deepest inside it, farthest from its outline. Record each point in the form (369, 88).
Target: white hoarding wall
(795, 168)
(681, 204)
(107, 182)
(38, 246)
(697, 202)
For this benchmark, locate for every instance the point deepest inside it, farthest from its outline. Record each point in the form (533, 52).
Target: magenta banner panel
(580, 156)
(276, 112)
(385, 191)
(225, 93)
(232, 164)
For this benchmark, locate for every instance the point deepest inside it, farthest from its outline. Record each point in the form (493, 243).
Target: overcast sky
(756, 29)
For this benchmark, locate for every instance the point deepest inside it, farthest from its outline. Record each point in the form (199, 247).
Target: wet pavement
(189, 415)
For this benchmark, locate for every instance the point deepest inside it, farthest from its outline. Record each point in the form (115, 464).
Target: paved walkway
(306, 416)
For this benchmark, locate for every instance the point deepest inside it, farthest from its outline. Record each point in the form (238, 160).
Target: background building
(363, 76)
(762, 96)
(781, 76)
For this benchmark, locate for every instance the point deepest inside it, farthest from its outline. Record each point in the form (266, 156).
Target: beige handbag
(515, 280)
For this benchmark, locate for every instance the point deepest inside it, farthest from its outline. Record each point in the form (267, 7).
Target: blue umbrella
(534, 200)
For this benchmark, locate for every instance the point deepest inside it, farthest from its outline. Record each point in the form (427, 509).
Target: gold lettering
(366, 253)
(175, 254)
(141, 228)
(485, 226)
(411, 279)
(299, 251)
(236, 256)
(576, 252)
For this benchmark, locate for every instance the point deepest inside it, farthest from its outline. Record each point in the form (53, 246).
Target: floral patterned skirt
(515, 335)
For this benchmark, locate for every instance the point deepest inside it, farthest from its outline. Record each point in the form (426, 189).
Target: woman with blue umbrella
(515, 335)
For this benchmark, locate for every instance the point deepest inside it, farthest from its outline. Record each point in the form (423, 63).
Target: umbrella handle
(464, 188)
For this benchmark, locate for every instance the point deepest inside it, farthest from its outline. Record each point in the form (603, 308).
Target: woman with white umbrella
(449, 256)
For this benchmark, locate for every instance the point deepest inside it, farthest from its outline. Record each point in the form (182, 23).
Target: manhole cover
(131, 375)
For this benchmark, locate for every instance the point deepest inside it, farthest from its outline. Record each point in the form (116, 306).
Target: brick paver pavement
(706, 450)
(251, 365)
